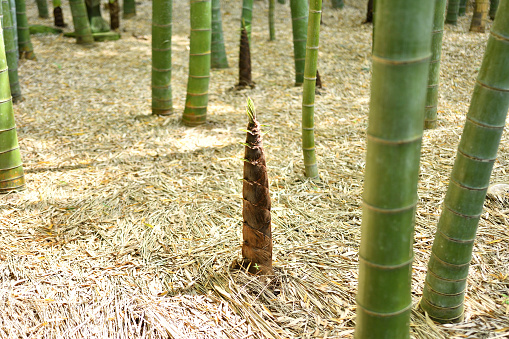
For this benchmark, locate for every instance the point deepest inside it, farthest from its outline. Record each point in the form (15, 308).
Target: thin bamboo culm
(162, 103)
(10, 51)
(480, 16)
(452, 12)
(272, 26)
(401, 57)
(25, 48)
(81, 23)
(12, 177)
(195, 111)
(493, 8)
(218, 50)
(444, 289)
(430, 114)
(462, 8)
(42, 8)
(308, 90)
(246, 17)
(129, 9)
(299, 10)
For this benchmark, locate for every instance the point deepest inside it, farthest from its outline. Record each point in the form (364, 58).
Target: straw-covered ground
(129, 221)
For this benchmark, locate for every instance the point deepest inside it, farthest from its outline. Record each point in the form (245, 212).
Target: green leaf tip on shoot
(250, 110)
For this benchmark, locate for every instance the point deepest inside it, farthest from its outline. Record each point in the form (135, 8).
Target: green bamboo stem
(129, 9)
(246, 17)
(452, 12)
(401, 58)
(462, 10)
(308, 90)
(12, 177)
(25, 48)
(299, 9)
(281, 1)
(448, 266)
(338, 3)
(42, 8)
(162, 103)
(493, 8)
(195, 112)
(12, 4)
(96, 21)
(81, 23)
(10, 51)
(218, 51)
(272, 26)
(430, 113)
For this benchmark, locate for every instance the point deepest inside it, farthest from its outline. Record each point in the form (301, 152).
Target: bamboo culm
(452, 12)
(25, 48)
(308, 90)
(462, 8)
(400, 59)
(12, 177)
(10, 51)
(195, 112)
(246, 17)
(272, 27)
(42, 8)
(129, 9)
(480, 16)
(444, 289)
(493, 8)
(81, 23)
(430, 114)
(218, 50)
(162, 103)
(299, 10)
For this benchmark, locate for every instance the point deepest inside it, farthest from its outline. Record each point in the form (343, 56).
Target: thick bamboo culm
(25, 48)
(162, 103)
(401, 57)
(10, 51)
(195, 111)
(480, 16)
(246, 17)
(430, 113)
(218, 50)
(12, 177)
(493, 8)
(452, 12)
(12, 4)
(81, 23)
(308, 90)
(444, 289)
(299, 10)
(129, 9)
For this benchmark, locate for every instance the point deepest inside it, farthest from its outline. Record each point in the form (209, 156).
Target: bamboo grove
(406, 55)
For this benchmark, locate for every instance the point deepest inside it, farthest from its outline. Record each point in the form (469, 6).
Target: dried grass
(130, 221)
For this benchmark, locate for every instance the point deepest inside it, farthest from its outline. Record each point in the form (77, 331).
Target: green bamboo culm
(218, 51)
(308, 90)
(12, 6)
(401, 57)
(195, 111)
(338, 3)
(25, 48)
(246, 17)
(81, 23)
(272, 26)
(299, 9)
(162, 103)
(10, 51)
(129, 9)
(281, 1)
(12, 177)
(462, 10)
(493, 8)
(452, 12)
(42, 8)
(430, 114)
(451, 254)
